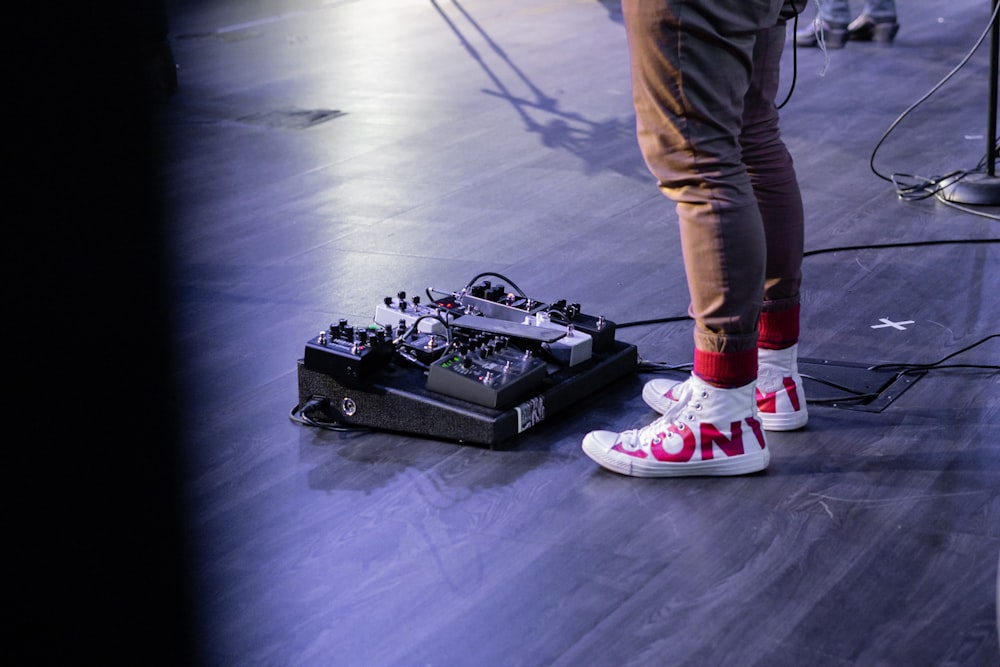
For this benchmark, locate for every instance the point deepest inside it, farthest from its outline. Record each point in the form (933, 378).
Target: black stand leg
(983, 189)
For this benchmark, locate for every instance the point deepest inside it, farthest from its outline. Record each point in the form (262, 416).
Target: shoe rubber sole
(744, 464)
(789, 421)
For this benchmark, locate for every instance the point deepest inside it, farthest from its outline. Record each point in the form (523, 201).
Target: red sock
(726, 369)
(778, 329)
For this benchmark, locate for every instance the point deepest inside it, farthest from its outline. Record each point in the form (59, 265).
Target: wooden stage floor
(318, 156)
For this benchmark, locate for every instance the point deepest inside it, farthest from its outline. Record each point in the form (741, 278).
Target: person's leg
(834, 11)
(692, 63)
(881, 9)
(772, 176)
(780, 397)
(689, 88)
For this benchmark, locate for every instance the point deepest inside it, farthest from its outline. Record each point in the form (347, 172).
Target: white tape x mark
(886, 322)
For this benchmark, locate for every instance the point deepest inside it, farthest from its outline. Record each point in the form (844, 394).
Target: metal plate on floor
(853, 386)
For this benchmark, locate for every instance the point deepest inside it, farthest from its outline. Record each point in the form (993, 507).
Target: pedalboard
(479, 365)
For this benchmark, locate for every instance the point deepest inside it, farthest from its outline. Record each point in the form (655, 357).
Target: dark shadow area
(96, 566)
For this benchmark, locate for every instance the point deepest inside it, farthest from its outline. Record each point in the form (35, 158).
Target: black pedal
(424, 347)
(450, 305)
(600, 329)
(493, 378)
(349, 354)
(603, 331)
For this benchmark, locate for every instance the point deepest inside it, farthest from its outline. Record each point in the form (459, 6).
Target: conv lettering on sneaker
(731, 445)
(769, 402)
(686, 450)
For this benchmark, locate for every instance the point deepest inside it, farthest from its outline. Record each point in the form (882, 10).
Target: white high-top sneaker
(781, 401)
(705, 430)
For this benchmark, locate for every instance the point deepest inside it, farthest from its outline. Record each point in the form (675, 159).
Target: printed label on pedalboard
(530, 413)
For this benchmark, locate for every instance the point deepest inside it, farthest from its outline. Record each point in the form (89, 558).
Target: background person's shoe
(867, 28)
(822, 33)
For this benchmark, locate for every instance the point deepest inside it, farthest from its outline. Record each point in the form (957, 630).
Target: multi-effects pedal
(476, 366)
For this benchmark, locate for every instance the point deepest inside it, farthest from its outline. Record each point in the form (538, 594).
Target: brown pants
(705, 74)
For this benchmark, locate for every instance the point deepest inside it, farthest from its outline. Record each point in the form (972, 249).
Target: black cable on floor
(822, 251)
(303, 415)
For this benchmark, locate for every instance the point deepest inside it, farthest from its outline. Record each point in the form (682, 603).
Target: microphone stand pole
(983, 189)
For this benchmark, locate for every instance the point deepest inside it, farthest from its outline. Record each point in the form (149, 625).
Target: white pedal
(391, 313)
(574, 348)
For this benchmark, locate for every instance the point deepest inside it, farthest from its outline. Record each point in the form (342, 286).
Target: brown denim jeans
(705, 74)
